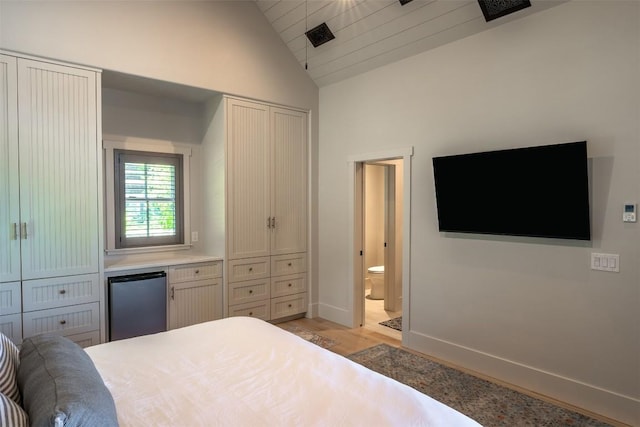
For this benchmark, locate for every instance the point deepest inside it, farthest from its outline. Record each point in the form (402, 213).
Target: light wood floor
(353, 340)
(375, 313)
(349, 341)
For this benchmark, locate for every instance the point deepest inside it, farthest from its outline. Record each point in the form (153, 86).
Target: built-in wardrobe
(264, 222)
(50, 199)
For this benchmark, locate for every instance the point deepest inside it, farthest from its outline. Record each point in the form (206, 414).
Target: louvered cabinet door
(289, 181)
(58, 174)
(9, 198)
(248, 166)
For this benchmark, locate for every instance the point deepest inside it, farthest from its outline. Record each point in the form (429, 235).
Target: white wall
(528, 311)
(226, 46)
(374, 215)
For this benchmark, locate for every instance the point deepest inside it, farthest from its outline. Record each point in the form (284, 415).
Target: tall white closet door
(58, 174)
(9, 187)
(248, 179)
(289, 181)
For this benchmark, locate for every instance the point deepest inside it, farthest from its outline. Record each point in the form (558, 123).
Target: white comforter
(241, 371)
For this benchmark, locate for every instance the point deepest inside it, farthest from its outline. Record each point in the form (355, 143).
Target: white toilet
(376, 276)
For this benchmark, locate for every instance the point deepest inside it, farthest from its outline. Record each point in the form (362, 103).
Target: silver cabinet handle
(24, 231)
(269, 222)
(273, 222)
(15, 231)
(173, 293)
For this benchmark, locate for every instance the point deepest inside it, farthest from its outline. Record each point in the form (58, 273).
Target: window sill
(147, 250)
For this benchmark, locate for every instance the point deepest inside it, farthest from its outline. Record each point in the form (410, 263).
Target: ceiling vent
(493, 9)
(320, 35)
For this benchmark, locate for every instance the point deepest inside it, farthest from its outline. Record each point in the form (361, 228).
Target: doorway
(395, 166)
(356, 292)
(382, 243)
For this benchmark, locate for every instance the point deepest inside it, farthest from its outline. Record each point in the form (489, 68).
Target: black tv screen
(534, 191)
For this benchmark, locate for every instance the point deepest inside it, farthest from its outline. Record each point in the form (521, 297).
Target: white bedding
(242, 371)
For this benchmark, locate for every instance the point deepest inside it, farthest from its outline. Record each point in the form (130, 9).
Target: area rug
(486, 402)
(310, 336)
(395, 323)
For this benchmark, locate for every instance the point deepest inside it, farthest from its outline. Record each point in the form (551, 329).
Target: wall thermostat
(629, 212)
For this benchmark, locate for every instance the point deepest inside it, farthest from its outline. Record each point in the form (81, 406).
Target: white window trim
(111, 143)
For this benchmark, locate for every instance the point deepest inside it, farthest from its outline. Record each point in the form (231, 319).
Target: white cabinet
(49, 175)
(267, 180)
(266, 164)
(195, 293)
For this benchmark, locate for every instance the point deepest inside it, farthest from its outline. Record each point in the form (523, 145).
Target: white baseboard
(335, 314)
(613, 405)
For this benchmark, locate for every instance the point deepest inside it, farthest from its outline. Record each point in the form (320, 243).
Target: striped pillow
(11, 414)
(9, 360)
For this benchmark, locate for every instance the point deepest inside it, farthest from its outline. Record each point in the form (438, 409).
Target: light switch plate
(605, 262)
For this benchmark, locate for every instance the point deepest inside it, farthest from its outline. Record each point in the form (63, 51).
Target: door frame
(355, 229)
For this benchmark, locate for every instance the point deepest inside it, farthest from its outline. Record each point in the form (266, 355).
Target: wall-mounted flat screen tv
(538, 191)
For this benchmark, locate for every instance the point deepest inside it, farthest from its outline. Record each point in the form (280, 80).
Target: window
(148, 199)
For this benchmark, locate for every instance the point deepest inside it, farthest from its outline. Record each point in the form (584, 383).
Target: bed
(241, 371)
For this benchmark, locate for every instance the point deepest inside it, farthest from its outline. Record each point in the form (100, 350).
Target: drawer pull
(290, 305)
(290, 285)
(250, 291)
(289, 264)
(251, 313)
(63, 322)
(250, 269)
(63, 291)
(197, 271)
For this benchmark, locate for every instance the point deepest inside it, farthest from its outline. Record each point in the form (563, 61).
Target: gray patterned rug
(486, 402)
(395, 323)
(310, 336)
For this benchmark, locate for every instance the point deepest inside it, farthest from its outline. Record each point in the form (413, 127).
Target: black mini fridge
(137, 305)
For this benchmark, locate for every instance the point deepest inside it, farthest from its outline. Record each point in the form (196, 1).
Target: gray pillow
(60, 385)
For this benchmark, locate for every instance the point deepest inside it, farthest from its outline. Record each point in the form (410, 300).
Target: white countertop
(133, 262)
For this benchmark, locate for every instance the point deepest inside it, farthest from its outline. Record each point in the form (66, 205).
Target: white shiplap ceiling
(372, 33)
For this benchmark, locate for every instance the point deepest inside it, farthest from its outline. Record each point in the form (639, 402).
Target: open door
(358, 238)
(390, 290)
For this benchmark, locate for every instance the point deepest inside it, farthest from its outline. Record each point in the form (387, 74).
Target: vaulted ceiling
(372, 33)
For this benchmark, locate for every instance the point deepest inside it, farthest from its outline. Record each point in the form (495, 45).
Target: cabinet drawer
(258, 309)
(70, 320)
(11, 327)
(288, 264)
(289, 305)
(59, 291)
(87, 339)
(10, 298)
(252, 290)
(288, 285)
(188, 272)
(248, 269)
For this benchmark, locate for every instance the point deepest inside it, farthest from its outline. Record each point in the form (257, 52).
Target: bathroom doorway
(381, 224)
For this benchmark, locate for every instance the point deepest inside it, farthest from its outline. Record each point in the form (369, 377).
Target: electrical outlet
(194, 236)
(605, 262)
